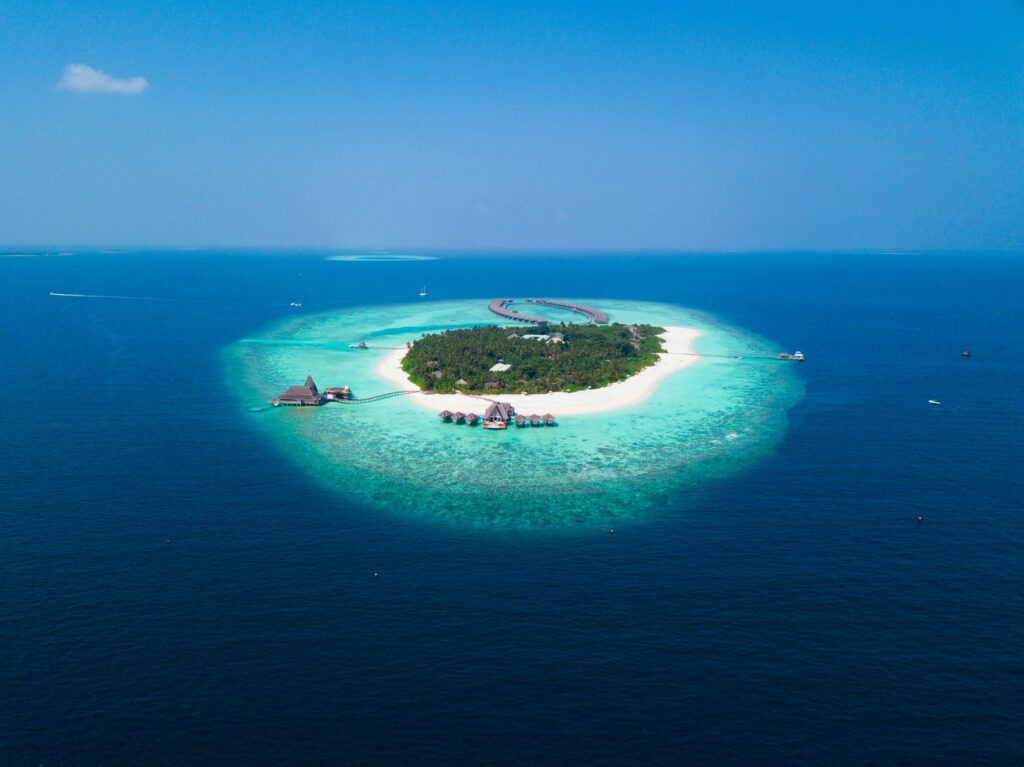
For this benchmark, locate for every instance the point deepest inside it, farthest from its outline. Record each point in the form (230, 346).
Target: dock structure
(595, 315)
(500, 307)
(306, 395)
(338, 393)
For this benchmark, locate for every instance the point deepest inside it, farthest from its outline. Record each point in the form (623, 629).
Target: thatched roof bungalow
(499, 411)
(305, 395)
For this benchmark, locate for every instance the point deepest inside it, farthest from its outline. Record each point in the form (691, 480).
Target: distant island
(547, 358)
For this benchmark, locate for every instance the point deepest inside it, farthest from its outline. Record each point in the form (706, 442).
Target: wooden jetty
(500, 307)
(596, 315)
(783, 357)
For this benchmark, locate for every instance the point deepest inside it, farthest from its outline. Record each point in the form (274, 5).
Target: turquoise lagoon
(703, 423)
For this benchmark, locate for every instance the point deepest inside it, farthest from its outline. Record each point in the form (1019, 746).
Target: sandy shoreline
(614, 397)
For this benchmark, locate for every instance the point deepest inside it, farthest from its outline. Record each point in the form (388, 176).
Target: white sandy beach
(678, 341)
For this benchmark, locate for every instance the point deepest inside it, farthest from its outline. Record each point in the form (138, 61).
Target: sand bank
(678, 341)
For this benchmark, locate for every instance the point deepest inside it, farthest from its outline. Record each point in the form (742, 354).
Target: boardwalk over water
(500, 307)
(595, 315)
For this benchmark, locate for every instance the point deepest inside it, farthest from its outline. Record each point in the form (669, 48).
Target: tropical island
(547, 358)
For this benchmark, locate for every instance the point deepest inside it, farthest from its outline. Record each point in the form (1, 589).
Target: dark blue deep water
(174, 591)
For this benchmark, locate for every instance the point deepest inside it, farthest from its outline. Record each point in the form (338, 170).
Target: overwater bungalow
(534, 420)
(499, 411)
(446, 415)
(498, 415)
(520, 421)
(338, 392)
(472, 418)
(305, 395)
(549, 420)
(459, 417)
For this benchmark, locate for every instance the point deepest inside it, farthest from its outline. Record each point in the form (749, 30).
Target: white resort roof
(500, 367)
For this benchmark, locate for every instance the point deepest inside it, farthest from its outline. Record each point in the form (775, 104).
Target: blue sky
(690, 126)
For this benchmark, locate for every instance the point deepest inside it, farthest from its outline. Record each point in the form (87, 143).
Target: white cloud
(84, 79)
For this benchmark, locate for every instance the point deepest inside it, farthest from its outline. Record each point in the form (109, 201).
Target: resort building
(499, 412)
(338, 392)
(307, 394)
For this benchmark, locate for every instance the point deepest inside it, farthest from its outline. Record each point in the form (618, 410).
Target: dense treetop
(586, 356)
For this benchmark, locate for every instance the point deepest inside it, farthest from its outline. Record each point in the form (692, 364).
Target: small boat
(965, 353)
(296, 304)
(423, 292)
(934, 402)
(798, 356)
(360, 345)
(495, 425)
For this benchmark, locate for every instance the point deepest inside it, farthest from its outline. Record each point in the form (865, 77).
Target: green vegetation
(588, 356)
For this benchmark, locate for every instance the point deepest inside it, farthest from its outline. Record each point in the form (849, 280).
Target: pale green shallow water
(703, 423)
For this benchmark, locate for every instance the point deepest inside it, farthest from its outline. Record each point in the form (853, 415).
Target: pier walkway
(774, 358)
(500, 307)
(376, 397)
(596, 315)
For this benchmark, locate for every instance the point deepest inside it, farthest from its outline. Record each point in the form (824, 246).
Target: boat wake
(129, 298)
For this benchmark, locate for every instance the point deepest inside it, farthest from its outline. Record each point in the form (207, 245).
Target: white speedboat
(934, 402)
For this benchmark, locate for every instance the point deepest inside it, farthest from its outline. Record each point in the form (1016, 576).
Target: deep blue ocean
(175, 591)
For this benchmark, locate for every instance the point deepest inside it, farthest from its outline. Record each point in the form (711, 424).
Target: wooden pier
(784, 357)
(500, 307)
(595, 315)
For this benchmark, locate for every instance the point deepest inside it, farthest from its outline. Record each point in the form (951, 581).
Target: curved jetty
(595, 315)
(500, 307)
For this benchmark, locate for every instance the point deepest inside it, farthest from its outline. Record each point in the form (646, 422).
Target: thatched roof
(307, 394)
(502, 411)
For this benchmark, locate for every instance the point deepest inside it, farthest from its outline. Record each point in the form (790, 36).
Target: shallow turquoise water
(702, 423)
